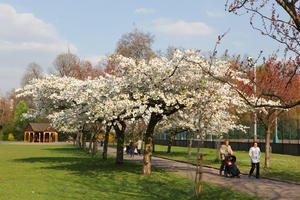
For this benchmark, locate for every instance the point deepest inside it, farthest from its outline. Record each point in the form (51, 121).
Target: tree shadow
(82, 166)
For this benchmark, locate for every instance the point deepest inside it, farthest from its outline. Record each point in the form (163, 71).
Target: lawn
(65, 172)
(284, 167)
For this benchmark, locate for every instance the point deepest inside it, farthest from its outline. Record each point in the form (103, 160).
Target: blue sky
(37, 31)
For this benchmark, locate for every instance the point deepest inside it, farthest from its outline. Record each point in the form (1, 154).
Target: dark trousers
(253, 167)
(222, 165)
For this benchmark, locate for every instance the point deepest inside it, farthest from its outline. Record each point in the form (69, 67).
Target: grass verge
(65, 172)
(283, 167)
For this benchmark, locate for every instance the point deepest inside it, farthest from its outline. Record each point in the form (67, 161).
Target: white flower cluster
(137, 90)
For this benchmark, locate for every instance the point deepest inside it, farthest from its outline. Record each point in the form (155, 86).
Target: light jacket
(139, 144)
(254, 154)
(225, 151)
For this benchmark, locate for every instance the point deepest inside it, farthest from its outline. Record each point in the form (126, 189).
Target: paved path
(262, 187)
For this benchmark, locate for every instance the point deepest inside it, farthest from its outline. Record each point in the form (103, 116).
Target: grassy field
(65, 172)
(284, 167)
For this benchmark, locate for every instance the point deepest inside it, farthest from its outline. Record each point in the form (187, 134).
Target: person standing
(254, 154)
(131, 148)
(225, 151)
(139, 146)
(101, 142)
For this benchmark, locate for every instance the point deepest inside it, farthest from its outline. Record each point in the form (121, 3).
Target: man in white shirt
(254, 154)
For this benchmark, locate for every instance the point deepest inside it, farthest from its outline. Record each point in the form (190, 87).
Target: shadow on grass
(83, 166)
(112, 181)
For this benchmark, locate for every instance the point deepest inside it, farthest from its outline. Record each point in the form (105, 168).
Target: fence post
(200, 176)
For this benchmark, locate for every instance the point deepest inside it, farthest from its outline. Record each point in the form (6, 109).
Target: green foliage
(18, 125)
(20, 109)
(1, 135)
(9, 128)
(11, 137)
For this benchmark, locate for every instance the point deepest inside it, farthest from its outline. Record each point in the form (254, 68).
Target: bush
(11, 137)
(1, 135)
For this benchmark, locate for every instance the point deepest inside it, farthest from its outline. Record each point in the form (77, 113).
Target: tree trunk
(217, 145)
(78, 139)
(74, 139)
(190, 144)
(91, 142)
(84, 141)
(95, 144)
(170, 142)
(267, 146)
(154, 119)
(120, 141)
(104, 154)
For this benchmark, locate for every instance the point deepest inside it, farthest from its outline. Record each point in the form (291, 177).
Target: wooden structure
(40, 132)
(111, 137)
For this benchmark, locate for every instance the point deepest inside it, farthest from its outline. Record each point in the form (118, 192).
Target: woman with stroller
(225, 152)
(254, 154)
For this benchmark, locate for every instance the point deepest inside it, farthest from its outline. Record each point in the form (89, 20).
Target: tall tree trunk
(190, 144)
(267, 146)
(104, 154)
(217, 145)
(95, 144)
(78, 139)
(91, 143)
(83, 141)
(154, 119)
(74, 139)
(120, 141)
(170, 142)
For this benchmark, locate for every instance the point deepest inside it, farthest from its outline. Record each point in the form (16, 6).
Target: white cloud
(23, 31)
(215, 13)
(24, 38)
(145, 11)
(182, 28)
(95, 59)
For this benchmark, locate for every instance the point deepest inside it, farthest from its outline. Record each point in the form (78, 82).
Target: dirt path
(262, 187)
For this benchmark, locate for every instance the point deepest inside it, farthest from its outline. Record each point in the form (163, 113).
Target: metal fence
(281, 148)
(288, 132)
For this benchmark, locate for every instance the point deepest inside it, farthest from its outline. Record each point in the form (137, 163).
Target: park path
(270, 189)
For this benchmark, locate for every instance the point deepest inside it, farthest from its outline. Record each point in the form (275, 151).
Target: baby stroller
(231, 168)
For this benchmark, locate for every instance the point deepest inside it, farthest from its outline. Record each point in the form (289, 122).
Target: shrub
(11, 137)
(1, 135)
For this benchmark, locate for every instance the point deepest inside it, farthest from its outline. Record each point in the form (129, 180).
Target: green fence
(288, 131)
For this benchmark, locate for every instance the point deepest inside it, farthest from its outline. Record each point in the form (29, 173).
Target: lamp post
(276, 130)
(251, 64)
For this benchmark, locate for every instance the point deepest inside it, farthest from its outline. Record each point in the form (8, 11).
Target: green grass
(65, 172)
(283, 167)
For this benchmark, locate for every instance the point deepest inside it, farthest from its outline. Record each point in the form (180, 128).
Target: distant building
(40, 132)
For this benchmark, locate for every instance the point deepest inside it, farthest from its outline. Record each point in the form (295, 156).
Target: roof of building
(39, 127)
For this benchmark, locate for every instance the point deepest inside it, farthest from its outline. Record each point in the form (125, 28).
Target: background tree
(136, 45)
(271, 78)
(279, 19)
(65, 64)
(32, 71)
(20, 123)
(68, 64)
